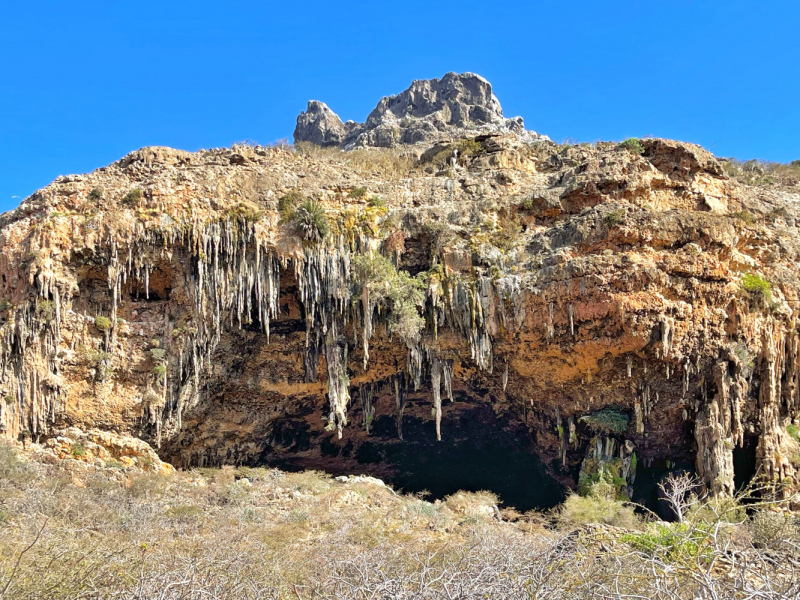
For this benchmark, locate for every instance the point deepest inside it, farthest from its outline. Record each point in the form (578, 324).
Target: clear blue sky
(83, 83)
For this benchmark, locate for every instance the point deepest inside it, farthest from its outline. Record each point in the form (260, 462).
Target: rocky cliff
(482, 307)
(430, 110)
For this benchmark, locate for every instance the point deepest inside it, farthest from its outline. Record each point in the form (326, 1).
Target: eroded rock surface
(582, 306)
(430, 110)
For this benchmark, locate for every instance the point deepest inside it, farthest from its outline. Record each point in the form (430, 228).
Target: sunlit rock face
(430, 110)
(490, 312)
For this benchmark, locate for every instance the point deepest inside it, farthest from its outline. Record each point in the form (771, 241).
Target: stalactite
(718, 429)
(637, 412)
(629, 365)
(366, 308)
(437, 397)
(687, 370)
(367, 394)
(571, 319)
(666, 336)
(771, 461)
(505, 377)
(447, 376)
(338, 380)
(401, 398)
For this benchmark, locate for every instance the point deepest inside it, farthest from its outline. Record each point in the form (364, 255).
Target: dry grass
(760, 172)
(385, 163)
(260, 533)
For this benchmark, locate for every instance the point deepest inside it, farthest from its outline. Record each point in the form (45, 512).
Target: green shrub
(632, 145)
(77, 449)
(377, 202)
(614, 217)
(469, 147)
(607, 420)
(160, 370)
(5, 305)
(310, 221)
(757, 285)
(246, 211)
(793, 431)
(372, 269)
(288, 203)
(114, 464)
(507, 234)
(675, 543)
(94, 359)
(357, 193)
(132, 197)
(102, 323)
(9, 399)
(598, 506)
(744, 215)
(46, 311)
(157, 354)
(96, 193)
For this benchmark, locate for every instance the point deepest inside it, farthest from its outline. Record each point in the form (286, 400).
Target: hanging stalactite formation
(263, 285)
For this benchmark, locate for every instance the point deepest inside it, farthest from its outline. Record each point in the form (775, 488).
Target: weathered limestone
(554, 283)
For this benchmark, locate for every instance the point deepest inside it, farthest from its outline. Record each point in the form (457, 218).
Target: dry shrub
(385, 163)
(770, 529)
(307, 481)
(482, 502)
(82, 535)
(761, 172)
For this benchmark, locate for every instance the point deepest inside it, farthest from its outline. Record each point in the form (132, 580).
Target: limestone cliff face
(587, 305)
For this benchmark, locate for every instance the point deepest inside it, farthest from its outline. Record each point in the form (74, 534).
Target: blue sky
(84, 83)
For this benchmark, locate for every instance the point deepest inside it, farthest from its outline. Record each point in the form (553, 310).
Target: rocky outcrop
(319, 125)
(104, 449)
(428, 111)
(497, 307)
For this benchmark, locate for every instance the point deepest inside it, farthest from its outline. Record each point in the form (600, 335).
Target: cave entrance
(744, 463)
(469, 463)
(478, 451)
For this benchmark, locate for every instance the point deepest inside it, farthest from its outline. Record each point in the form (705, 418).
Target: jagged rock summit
(430, 110)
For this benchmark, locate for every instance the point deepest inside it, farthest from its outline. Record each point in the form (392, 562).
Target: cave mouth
(478, 452)
(514, 474)
(745, 463)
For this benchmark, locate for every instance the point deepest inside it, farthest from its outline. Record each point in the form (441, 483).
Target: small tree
(680, 492)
